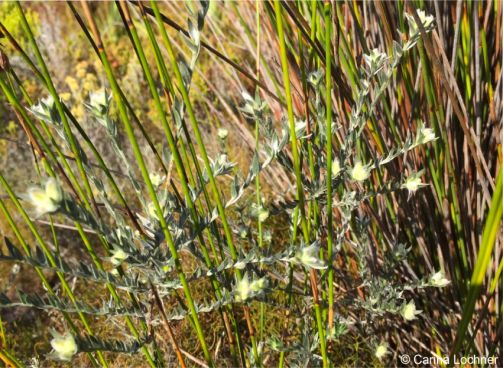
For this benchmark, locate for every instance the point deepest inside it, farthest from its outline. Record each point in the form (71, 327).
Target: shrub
(200, 221)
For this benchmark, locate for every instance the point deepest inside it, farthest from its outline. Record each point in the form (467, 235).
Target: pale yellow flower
(88, 85)
(246, 289)
(156, 179)
(152, 212)
(47, 199)
(243, 232)
(409, 311)
(222, 133)
(259, 212)
(64, 346)
(360, 172)
(412, 184)
(425, 135)
(263, 214)
(310, 257)
(78, 111)
(98, 98)
(336, 168)
(381, 350)
(118, 256)
(242, 290)
(438, 279)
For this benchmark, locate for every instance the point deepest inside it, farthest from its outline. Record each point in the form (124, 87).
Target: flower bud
(222, 133)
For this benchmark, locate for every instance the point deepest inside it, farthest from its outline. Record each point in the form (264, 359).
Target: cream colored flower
(438, 279)
(267, 236)
(243, 232)
(152, 212)
(409, 311)
(118, 256)
(98, 99)
(413, 183)
(310, 257)
(426, 20)
(359, 172)
(245, 289)
(381, 350)
(263, 214)
(259, 212)
(222, 133)
(47, 199)
(336, 168)
(375, 59)
(242, 290)
(156, 179)
(64, 346)
(257, 286)
(425, 135)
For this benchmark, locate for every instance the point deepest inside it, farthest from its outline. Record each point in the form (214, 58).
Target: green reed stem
(204, 154)
(291, 119)
(492, 227)
(328, 106)
(297, 168)
(169, 136)
(150, 188)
